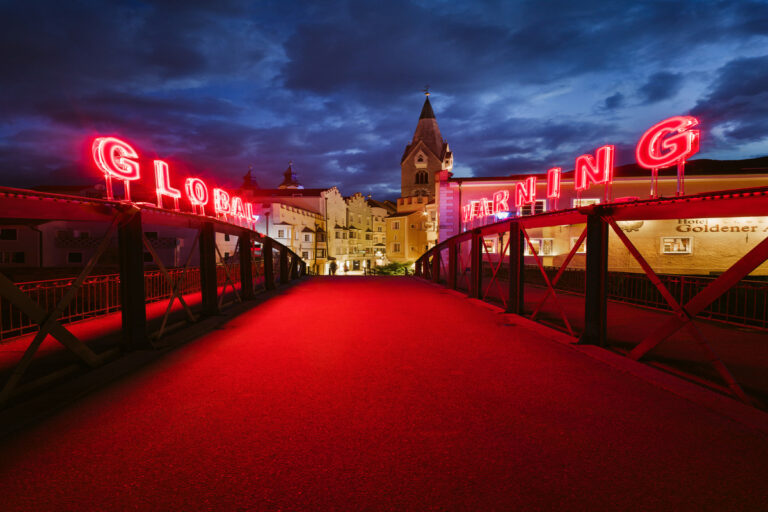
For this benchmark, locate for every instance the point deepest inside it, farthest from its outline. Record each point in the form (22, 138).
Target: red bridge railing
(712, 328)
(44, 309)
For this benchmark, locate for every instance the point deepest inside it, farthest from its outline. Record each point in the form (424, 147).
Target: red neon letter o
(197, 191)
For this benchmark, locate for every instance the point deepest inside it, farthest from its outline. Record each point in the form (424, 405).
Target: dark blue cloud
(614, 101)
(660, 86)
(737, 102)
(334, 86)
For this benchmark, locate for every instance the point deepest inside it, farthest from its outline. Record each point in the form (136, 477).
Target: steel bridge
(476, 385)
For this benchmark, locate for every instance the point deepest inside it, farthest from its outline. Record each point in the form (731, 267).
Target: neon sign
(667, 143)
(119, 160)
(116, 159)
(670, 142)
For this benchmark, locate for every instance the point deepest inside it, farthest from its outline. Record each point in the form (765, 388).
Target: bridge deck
(383, 393)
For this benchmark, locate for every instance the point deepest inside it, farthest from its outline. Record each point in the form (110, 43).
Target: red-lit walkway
(383, 393)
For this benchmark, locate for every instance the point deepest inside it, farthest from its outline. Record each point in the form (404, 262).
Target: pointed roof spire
(289, 178)
(427, 129)
(426, 110)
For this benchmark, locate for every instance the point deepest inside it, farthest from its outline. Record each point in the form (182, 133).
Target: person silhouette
(332, 268)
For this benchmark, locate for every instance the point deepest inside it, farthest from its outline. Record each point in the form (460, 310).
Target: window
(82, 234)
(8, 234)
(151, 235)
(368, 236)
(307, 237)
(378, 229)
(226, 237)
(395, 247)
(226, 256)
(585, 201)
(396, 224)
(321, 237)
(321, 253)
(540, 207)
(582, 248)
(542, 246)
(280, 233)
(338, 235)
(11, 257)
(676, 245)
(422, 178)
(74, 257)
(305, 255)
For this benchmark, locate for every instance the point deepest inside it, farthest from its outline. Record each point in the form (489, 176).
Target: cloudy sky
(335, 86)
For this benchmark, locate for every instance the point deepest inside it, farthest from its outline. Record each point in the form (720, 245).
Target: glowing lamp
(116, 159)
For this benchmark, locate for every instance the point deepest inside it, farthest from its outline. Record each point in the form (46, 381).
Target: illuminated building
(413, 229)
(680, 246)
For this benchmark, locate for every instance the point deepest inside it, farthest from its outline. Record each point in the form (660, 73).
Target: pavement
(353, 393)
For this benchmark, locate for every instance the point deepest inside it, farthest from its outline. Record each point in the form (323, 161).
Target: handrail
(131, 289)
(495, 265)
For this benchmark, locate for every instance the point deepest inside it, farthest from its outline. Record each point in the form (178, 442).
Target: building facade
(679, 246)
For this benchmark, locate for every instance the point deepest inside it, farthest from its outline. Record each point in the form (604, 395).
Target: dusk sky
(335, 86)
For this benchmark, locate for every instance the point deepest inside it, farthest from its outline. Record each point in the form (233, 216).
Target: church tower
(424, 157)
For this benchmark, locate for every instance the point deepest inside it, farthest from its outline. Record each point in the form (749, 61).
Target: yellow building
(413, 228)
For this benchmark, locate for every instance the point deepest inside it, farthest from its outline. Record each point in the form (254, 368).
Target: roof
(288, 192)
(404, 214)
(426, 110)
(282, 224)
(289, 178)
(307, 230)
(428, 133)
(386, 204)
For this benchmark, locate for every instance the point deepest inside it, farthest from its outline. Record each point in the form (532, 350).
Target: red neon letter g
(654, 151)
(116, 158)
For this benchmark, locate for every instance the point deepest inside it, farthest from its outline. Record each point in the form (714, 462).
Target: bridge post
(596, 293)
(452, 264)
(476, 265)
(130, 248)
(435, 265)
(266, 255)
(516, 266)
(209, 286)
(283, 264)
(294, 266)
(246, 273)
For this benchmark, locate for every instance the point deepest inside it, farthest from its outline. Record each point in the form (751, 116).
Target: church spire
(427, 129)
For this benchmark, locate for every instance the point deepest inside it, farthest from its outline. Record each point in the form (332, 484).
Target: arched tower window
(422, 178)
